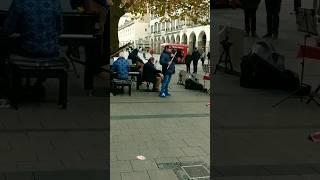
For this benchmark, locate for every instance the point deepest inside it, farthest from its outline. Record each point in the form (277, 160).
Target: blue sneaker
(167, 94)
(162, 95)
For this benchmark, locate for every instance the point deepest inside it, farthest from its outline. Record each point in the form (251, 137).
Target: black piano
(78, 30)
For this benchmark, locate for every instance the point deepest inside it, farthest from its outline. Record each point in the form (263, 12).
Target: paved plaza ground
(42, 141)
(174, 129)
(253, 140)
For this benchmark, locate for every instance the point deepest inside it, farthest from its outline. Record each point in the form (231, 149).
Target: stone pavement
(251, 139)
(42, 141)
(174, 129)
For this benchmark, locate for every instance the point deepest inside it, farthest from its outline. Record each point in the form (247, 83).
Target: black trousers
(250, 20)
(195, 66)
(273, 9)
(188, 67)
(297, 4)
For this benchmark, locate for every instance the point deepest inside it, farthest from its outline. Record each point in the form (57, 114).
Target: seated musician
(39, 24)
(151, 74)
(122, 68)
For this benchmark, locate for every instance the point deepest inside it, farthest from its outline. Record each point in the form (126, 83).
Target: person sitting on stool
(39, 23)
(122, 68)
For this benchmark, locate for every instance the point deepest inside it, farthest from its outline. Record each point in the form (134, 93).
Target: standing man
(165, 61)
(250, 9)
(273, 9)
(195, 58)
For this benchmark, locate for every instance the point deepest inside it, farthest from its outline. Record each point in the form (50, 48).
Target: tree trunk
(115, 14)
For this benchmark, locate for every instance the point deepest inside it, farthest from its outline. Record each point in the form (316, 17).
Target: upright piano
(78, 30)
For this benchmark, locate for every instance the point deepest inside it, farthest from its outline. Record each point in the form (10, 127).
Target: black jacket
(188, 59)
(195, 56)
(149, 72)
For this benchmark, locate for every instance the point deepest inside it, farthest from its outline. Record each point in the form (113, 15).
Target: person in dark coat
(151, 74)
(195, 58)
(273, 9)
(250, 9)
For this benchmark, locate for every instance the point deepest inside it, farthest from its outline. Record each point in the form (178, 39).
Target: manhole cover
(188, 170)
(196, 172)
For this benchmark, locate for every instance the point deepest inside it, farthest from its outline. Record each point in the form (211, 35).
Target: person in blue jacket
(165, 60)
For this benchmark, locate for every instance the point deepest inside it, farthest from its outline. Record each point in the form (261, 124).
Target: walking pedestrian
(250, 9)
(273, 9)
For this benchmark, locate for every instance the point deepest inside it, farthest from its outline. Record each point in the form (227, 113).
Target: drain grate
(188, 171)
(196, 172)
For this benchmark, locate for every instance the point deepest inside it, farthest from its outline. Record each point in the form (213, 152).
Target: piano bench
(22, 67)
(122, 83)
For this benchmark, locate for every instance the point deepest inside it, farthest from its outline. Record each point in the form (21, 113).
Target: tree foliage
(195, 10)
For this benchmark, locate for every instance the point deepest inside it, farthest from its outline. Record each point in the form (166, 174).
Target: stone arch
(173, 40)
(202, 40)
(167, 39)
(192, 42)
(184, 39)
(178, 39)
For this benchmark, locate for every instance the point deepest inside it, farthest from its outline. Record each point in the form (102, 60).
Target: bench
(23, 67)
(122, 83)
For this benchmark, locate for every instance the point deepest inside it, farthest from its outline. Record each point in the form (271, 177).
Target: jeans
(165, 83)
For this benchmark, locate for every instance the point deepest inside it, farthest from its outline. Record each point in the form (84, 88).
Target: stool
(24, 67)
(118, 82)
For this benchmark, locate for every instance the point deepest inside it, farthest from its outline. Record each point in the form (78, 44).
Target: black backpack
(192, 82)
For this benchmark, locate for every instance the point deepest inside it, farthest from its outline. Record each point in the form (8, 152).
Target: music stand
(225, 55)
(306, 22)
